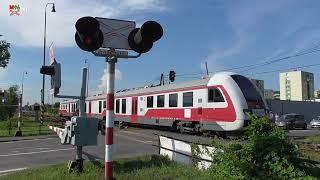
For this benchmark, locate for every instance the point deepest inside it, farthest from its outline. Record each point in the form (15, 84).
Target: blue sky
(226, 34)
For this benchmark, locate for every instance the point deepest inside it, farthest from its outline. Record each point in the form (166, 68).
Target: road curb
(26, 138)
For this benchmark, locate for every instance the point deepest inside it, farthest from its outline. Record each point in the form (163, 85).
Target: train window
(150, 102)
(100, 106)
(124, 107)
(160, 101)
(214, 95)
(173, 100)
(117, 105)
(188, 99)
(104, 104)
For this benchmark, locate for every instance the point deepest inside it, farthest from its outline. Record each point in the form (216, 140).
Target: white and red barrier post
(109, 118)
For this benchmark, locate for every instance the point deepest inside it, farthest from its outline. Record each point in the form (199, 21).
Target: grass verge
(30, 127)
(141, 168)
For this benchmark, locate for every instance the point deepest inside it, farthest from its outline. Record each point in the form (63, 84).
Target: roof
(155, 89)
(168, 87)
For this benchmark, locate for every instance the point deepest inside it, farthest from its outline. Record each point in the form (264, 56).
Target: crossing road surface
(18, 155)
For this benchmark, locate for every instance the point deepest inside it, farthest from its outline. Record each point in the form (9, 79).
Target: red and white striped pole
(109, 118)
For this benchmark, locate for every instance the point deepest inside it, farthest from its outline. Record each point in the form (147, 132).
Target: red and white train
(218, 103)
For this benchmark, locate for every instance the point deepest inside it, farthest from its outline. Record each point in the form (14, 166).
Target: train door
(134, 109)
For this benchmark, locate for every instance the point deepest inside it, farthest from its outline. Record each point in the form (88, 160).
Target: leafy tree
(56, 105)
(13, 100)
(265, 153)
(4, 53)
(8, 108)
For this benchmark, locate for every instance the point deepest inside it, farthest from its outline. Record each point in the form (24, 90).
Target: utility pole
(207, 71)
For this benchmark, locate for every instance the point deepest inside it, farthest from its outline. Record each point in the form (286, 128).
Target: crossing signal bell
(141, 39)
(88, 37)
(172, 76)
(54, 70)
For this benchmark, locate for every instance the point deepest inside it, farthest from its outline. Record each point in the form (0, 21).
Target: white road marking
(37, 152)
(43, 146)
(26, 140)
(140, 134)
(133, 139)
(12, 170)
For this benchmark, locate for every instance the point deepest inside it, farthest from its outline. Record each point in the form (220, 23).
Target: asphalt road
(18, 155)
(129, 142)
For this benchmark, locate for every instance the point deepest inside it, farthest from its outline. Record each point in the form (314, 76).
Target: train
(221, 102)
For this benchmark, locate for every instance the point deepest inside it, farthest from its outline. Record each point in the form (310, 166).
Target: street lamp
(19, 132)
(44, 48)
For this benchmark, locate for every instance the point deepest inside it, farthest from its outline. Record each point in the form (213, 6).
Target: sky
(225, 34)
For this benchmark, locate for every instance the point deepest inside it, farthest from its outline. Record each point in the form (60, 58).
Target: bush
(265, 153)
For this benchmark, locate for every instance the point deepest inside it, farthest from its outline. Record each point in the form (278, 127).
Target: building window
(160, 101)
(188, 99)
(214, 95)
(124, 107)
(100, 106)
(173, 100)
(117, 105)
(150, 102)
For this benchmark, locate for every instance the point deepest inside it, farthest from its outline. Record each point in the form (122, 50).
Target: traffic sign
(116, 32)
(110, 53)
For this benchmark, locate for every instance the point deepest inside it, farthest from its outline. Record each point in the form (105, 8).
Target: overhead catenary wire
(279, 70)
(302, 52)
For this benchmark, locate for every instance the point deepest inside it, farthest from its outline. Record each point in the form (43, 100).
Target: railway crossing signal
(141, 39)
(88, 36)
(94, 33)
(53, 70)
(172, 76)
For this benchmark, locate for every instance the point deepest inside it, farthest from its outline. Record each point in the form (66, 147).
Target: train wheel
(198, 129)
(180, 128)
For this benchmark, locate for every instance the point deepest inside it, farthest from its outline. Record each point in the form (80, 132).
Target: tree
(56, 105)
(13, 100)
(4, 53)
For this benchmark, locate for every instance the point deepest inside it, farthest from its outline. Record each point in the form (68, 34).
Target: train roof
(167, 87)
(155, 89)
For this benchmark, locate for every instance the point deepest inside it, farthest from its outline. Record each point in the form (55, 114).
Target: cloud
(103, 84)
(244, 19)
(28, 28)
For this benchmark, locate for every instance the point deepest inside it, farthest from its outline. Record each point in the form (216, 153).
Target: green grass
(30, 127)
(144, 168)
(313, 139)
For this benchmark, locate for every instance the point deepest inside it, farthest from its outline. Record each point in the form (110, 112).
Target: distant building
(317, 94)
(276, 95)
(296, 86)
(259, 84)
(268, 94)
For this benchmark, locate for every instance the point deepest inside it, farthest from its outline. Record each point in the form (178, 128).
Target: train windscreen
(250, 93)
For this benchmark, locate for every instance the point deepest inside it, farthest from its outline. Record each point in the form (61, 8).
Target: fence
(29, 125)
(183, 151)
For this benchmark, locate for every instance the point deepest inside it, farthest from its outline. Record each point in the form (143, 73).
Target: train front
(245, 98)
